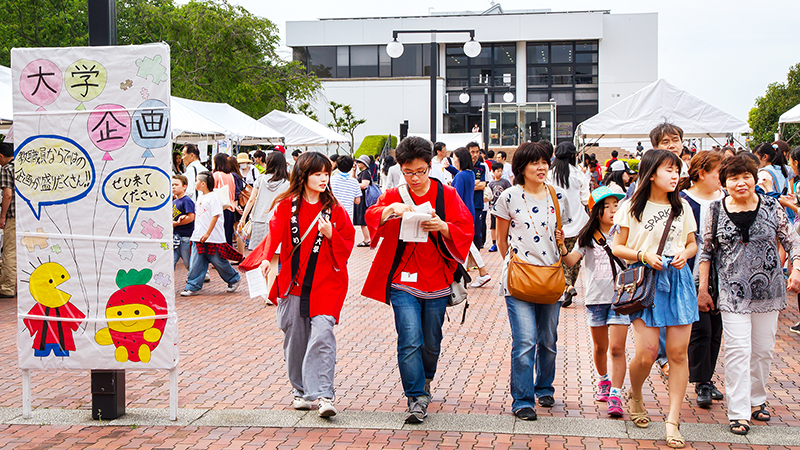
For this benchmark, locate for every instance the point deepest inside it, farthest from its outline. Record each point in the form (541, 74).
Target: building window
(567, 73)
(363, 61)
(409, 64)
(322, 61)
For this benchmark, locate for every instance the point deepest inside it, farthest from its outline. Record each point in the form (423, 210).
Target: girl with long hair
(642, 221)
(608, 329)
(274, 182)
(317, 237)
(223, 179)
(566, 175)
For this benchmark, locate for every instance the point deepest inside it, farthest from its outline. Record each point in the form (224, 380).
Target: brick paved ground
(231, 359)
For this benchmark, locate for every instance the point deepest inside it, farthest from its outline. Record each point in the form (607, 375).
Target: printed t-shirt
(207, 207)
(645, 235)
(181, 207)
(598, 275)
(527, 217)
(480, 175)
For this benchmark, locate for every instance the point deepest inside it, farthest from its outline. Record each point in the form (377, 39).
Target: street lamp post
(394, 49)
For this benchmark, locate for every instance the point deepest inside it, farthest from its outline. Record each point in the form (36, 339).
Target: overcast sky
(724, 52)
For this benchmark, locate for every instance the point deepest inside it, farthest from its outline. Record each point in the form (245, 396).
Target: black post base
(108, 394)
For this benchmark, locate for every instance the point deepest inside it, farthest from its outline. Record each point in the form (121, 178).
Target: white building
(584, 61)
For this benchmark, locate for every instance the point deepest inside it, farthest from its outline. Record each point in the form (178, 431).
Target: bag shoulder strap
(715, 224)
(613, 258)
(555, 203)
(667, 226)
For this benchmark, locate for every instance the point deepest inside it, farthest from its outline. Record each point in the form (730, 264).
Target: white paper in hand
(256, 283)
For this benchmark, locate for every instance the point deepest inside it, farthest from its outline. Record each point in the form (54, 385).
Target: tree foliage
(779, 98)
(343, 121)
(220, 52)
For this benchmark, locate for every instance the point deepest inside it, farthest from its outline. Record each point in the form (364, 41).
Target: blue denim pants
(419, 337)
(198, 266)
(534, 333)
(184, 251)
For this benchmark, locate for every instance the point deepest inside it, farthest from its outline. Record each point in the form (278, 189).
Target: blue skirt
(675, 300)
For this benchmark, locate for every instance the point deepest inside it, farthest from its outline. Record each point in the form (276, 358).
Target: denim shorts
(602, 315)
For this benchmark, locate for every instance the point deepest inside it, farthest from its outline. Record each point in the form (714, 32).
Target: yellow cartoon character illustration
(54, 335)
(139, 334)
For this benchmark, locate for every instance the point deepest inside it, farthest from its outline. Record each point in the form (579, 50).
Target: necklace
(547, 214)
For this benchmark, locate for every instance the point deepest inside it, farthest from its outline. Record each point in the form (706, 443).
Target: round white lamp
(472, 48)
(394, 49)
(464, 97)
(508, 97)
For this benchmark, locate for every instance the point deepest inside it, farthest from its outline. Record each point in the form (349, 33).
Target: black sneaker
(526, 413)
(704, 395)
(547, 401)
(417, 410)
(567, 300)
(796, 328)
(715, 393)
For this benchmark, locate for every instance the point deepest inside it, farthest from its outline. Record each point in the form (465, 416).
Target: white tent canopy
(300, 130)
(635, 116)
(6, 102)
(192, 117)
(790, 116)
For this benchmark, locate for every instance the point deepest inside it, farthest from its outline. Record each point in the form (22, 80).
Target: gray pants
(309, 349)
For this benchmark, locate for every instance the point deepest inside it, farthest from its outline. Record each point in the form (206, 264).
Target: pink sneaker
(603, 389)
(614, 406)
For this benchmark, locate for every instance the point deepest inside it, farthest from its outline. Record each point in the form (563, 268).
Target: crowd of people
(686, 215)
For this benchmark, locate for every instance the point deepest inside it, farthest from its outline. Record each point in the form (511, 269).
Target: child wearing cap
(609, 330)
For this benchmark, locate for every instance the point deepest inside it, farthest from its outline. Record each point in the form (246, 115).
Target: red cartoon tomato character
(131, 326)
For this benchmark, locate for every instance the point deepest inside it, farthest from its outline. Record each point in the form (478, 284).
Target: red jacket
(35, 326)
(330, 283)
(434, 272)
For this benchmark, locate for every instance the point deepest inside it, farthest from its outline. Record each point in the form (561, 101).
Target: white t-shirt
(192, 170)
(526, 217)
(393, 178)
(598, 274)
(346, 189)
(645, 235)
(440, 173)
(508, 174)
(208, 206)
(577, 196)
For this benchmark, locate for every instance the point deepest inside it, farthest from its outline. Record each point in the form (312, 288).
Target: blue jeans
(419, 337)
(534, 333)
(184, 251)
(199, 266)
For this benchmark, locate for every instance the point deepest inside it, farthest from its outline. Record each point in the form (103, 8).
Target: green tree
(305, 109)
(220, 52)
(344, 121)
(779, 98)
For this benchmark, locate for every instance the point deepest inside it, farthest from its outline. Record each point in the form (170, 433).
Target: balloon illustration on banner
(40, 82)
(52, 170)
(85, 80)
(151, 126)
(109, 128)
(138, 188)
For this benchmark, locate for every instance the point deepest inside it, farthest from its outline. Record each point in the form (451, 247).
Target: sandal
(640, 419)
(363, 244)
(675, 440)
(761, 414)
(740, 423)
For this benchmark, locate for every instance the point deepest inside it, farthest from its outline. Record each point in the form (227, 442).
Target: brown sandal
(675, 440)
(640, 419)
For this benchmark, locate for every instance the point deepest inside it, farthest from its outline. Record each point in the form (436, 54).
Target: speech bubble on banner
(137, 188)
(51, 170)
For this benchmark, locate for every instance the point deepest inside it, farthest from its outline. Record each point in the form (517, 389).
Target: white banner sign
(94, 208)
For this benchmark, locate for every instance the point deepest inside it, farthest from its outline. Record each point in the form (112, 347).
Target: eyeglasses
(418, 173)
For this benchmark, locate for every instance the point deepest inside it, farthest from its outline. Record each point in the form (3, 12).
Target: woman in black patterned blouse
(753, 290)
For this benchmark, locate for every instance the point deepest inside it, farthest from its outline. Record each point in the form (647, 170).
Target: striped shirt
(422, 294)
(7, 182)
(346, 189)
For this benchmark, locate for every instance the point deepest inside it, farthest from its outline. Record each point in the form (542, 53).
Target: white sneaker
(301, 403)
(267, 301)
(233, 286)
(326, 408)
(481, 280)
(188, 293)
(207, 279)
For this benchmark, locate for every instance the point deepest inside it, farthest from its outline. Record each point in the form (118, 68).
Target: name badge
(406, 277)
